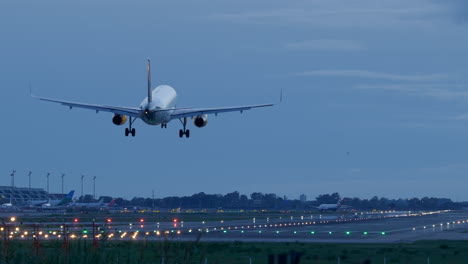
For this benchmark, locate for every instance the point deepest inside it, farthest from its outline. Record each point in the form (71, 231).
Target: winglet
(281, 96)
(150, 93)
(30, 89)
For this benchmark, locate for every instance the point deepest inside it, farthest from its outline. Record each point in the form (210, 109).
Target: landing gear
(163, 125)
(184, 131)
(130, 130)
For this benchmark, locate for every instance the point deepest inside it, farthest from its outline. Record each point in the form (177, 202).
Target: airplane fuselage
(163, 98)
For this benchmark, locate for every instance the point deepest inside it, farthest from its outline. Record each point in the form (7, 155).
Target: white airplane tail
(150, 92)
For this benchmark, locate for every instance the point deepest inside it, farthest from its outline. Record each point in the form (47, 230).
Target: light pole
(82, 176)
(94, 187)
(48, 174)
(29, 176)
(63, 175)
(13, 178)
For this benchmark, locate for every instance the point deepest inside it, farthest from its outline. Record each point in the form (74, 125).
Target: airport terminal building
(23, 195)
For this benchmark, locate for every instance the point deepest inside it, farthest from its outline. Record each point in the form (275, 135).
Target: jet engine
(119, 120)
(200, 121)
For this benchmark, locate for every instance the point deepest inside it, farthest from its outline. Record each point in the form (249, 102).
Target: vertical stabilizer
(150, 95)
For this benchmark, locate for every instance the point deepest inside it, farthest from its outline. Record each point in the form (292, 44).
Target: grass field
(84, 251)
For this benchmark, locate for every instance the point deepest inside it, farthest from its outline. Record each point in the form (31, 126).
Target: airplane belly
(156, 118)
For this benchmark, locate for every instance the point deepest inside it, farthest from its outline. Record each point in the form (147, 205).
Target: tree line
(258, 200)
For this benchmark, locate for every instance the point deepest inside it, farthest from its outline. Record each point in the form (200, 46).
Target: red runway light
(75, 220)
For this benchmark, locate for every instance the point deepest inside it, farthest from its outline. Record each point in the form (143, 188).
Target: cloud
(372, 75)
(458, 9)
(326, 44)
(437, 91)
(345, 14)
(460, 117)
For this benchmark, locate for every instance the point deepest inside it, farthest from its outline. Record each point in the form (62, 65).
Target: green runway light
(312, 232)
(365, 233)
(383, 233)
(277, 232)
(330, 232)
(260, 232)
(348, 233)
(85, 231)
(242, 231)
(225, 231)
(295, 232)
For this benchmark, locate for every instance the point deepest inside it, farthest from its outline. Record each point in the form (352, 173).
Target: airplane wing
(133, 112)
(190, 112)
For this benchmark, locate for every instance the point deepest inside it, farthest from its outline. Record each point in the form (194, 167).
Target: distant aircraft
(159, 108)
(48, 203)
(332, 207)
(98, 205)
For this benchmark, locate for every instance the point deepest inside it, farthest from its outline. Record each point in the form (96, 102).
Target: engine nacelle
(119, 120)
(200, 121)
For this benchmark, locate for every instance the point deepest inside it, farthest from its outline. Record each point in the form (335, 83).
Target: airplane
(158, 108)
(332, 207)
(48, 203)
(97, 205)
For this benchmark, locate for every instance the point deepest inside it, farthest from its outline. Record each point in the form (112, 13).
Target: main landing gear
(130, 130)
(184, 131)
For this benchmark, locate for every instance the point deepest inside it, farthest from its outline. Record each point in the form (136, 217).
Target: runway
(360, 227)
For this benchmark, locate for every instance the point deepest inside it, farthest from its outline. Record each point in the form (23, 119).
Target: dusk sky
(375, 96)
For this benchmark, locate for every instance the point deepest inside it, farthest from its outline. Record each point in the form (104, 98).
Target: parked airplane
(98, 205)
(158, 108)
(48, 203)
(332, 207)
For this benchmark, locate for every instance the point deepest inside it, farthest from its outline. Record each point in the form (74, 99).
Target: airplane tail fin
(150, 92)
(70, 195)
(67, 199)
(111, 203)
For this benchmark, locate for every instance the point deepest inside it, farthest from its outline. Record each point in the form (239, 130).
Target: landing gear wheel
(187, 133)
(127, 132)
(133, 132)
(181, 133)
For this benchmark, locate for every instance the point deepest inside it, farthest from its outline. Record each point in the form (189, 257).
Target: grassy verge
(83, 251)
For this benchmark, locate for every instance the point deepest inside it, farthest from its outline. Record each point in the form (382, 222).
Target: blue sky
(375, 96)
